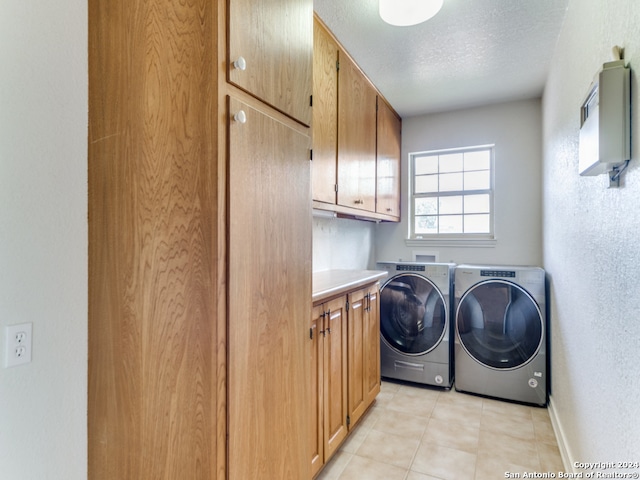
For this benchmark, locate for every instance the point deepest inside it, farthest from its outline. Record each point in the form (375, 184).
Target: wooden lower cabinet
(329, 379)
(372, 344)
(345, 368)
(363, 346)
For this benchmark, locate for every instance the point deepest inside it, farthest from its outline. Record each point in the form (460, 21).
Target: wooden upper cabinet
(325, 114)
(388, 161)
(270, 53)
(356, 137)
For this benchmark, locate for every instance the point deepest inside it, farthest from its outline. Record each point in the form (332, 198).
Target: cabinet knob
(240, 63)
(240, 117)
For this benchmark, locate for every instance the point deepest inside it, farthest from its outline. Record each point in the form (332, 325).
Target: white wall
(341, 243)
(43, 236)
(515, 129)
(592, 247)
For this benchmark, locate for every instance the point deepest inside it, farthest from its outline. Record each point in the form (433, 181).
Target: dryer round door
(499, 324)
(413, 314)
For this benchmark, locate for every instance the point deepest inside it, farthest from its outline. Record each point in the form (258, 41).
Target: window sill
(452, 242)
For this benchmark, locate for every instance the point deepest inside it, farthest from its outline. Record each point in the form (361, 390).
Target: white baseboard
(565, 453)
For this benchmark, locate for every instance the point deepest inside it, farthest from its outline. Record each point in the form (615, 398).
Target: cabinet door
(269, 292)
(335, 375)
(325, 114)
(364, 350)
(371, 331)
(388, 161)
(316, 437)
(275, 40)
(356, 349)
(356, 138)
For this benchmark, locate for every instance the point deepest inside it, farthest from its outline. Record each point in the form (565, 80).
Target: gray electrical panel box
(605, 121)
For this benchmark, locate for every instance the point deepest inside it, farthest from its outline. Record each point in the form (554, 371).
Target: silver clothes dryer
(415, 324)
(501, 332)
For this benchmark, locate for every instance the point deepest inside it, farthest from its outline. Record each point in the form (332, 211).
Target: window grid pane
(452, 193)
(426, 184)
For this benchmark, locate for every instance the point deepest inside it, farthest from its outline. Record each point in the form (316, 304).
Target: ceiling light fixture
(403, 13)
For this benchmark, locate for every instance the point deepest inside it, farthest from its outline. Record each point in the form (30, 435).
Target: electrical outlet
(17, 340)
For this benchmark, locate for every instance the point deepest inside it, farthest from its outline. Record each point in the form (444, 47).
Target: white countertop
(329, 283)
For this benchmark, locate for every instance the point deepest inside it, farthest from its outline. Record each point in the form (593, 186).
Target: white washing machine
(415, 322)
(501, 332)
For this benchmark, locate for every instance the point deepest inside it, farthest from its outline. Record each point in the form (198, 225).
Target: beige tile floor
(422, 433)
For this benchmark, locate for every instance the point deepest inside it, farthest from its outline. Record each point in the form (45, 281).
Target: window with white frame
(452, 193)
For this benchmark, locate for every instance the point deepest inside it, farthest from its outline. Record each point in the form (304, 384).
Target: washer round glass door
(413, 314)
(499, 324)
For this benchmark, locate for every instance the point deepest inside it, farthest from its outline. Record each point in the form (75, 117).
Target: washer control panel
(410, 268)
(498, 273)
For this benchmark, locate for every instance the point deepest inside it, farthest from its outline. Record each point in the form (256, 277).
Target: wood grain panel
(316, 341)
(357, 349)
(152, 244)
(335, 375)
(388, 161)
(269, 282)
(325, 114)
(276, 40)
(371, 341)
(356, 138)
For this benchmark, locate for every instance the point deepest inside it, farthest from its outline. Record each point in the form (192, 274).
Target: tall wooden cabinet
(199, 267)
(269, 275)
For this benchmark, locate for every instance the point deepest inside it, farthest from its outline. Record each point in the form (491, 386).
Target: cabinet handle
(359, 202)
(389, 209)
(328, 329)
(240, 63)
(240, 117)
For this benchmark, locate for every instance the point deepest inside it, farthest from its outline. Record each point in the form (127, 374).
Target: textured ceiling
(473, 52)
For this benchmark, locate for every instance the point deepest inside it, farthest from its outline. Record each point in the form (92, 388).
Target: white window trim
(481, 240)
